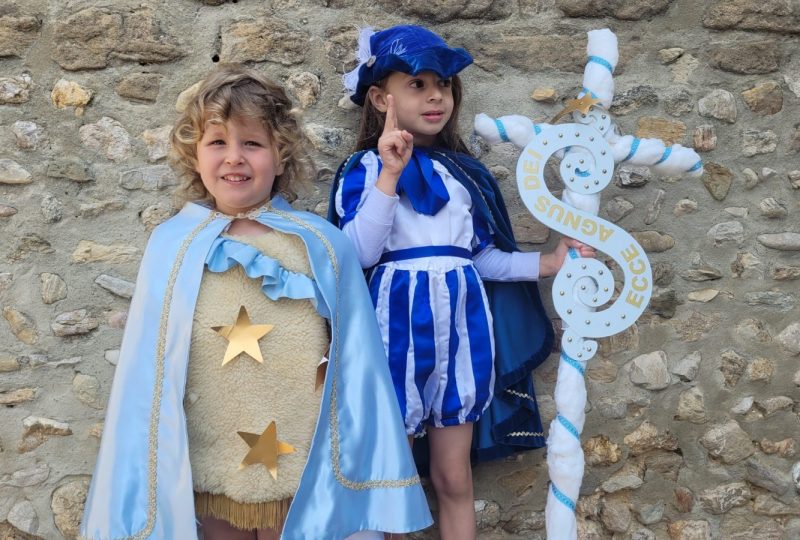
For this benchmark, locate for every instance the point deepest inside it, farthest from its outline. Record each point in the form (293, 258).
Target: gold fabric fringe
(245, 516)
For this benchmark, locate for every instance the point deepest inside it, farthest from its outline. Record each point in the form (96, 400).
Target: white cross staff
(589, 148)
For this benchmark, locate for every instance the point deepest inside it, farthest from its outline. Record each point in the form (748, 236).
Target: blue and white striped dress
(432, 310)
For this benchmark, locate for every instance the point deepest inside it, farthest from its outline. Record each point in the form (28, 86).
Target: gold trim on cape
(155, 412)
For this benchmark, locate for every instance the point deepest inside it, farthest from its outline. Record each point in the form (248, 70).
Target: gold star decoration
(582, 104)
(243, 337)
(265, 449)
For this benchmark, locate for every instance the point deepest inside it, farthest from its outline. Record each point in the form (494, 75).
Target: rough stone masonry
(692, 428)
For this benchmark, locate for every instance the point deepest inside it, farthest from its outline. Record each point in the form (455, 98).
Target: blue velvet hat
(408, 49)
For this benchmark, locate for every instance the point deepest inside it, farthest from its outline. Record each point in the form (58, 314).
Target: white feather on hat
(363, 55)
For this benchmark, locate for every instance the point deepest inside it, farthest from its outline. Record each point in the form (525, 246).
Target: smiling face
(424, 103)
(237, 163)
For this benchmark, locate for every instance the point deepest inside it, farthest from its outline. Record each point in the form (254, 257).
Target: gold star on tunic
(265, 448)
(582, 104)
(243, 337)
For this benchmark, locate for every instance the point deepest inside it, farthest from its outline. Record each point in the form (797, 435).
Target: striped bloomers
(441, 360)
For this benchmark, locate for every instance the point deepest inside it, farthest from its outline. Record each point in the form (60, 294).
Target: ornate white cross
(588, 148)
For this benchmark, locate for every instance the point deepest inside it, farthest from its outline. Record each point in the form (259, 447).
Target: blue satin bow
(422, 185)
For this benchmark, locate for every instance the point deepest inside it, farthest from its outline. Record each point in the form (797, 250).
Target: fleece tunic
(245, 395)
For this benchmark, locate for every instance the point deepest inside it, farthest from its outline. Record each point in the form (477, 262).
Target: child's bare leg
(365, 535)
(451, 475)
(219, 529)
(267, 534)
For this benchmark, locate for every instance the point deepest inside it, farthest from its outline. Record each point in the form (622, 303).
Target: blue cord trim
(537, 129)
(582, 174)
(696, 166)
(665, 155)
(574, 363)
(569, 426)
(587, 91)
(603, 62)
(563, 499)
(502, 129)
(634, 148)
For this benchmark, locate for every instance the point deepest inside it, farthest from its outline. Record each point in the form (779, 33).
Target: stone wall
(692, 427)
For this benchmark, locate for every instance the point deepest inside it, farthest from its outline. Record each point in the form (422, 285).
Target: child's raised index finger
(391, 115)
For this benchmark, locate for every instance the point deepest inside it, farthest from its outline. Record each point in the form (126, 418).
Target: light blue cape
(359, 474)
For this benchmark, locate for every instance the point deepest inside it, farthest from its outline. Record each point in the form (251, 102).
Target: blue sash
(425, 251)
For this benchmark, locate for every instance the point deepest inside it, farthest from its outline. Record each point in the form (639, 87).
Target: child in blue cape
(250, 395)
(456, 302)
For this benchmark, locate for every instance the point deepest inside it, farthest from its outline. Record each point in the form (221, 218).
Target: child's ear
(279, 165)
(377, 97)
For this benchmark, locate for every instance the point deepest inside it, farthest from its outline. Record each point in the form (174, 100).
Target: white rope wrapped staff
(565, 455)
(565, 460)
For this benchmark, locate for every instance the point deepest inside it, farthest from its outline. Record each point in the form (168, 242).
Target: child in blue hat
(457, 303)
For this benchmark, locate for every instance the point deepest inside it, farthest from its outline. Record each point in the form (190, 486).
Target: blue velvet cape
(522, 330)
(359, 474)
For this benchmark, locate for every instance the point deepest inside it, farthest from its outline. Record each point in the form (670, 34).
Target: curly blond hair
(233, 91)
